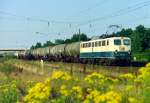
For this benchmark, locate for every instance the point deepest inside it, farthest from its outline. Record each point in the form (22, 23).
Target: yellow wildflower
(145, 72)
(129, 88)
(95, 78)
(92, 94)
(148, 64)
(60, 75)
(127, 76)
(109, 97)
(90, 97)
(132, 100)
(39, 91)
(77, 91)
(64, 91)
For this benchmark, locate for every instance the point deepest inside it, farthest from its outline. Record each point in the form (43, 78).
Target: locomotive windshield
(117, 42)
(126, 42)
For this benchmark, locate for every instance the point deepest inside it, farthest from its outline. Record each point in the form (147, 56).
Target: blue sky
(25, 22)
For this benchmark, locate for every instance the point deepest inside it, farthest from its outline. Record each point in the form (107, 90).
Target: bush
(142, 56)
(7, 68)
(8, 92)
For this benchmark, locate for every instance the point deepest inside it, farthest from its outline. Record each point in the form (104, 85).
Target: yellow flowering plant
(40, 92)
(60, 87)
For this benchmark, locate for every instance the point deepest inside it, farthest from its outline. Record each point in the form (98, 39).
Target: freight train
(99, 50)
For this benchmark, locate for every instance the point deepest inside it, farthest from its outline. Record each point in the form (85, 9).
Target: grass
(28, 73)
(144, 56)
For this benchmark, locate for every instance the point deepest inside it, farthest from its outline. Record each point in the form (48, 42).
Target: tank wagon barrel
(72, 52)
(58, 50)
(72, 49)
(21, 54)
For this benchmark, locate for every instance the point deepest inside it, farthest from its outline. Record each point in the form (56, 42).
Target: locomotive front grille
(122, 55)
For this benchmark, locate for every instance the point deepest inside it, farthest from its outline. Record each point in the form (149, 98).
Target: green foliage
(59, 41)
(7, 68)
(68, 41)
(38, 45)
(136, 43)
(145, 56)
(74, 38)
(8, 91)
(79, 37)
(48, 43)
(125, 32)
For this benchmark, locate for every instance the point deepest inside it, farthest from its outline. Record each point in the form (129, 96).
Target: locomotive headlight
(116, 51)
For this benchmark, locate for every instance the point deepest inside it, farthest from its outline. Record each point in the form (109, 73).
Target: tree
(32, 47)
(141, 31)
(79, 37)
(59, 41)
(136, 44)
(67, 41)
(146, 40)
(38, 45)
(48, 43)
(124, 32)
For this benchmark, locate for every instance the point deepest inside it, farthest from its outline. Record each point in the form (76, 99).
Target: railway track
(77, 69)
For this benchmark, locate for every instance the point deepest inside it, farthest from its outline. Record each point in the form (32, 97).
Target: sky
(25, 22)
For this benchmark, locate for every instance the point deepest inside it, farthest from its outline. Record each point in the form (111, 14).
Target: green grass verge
(144, 56)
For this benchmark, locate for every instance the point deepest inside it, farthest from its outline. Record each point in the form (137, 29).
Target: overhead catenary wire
(38, 19)
(83, 12)
(118, 13)
(50, 21)
(77, 24)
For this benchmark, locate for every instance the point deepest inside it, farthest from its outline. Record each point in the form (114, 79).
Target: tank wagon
(72, 52)
(57, 52)
(113, 48)
(21, 54)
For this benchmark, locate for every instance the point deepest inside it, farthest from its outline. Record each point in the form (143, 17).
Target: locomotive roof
(106, 39)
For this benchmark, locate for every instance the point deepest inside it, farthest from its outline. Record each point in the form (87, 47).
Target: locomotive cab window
(126, 42)
(117, 42)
